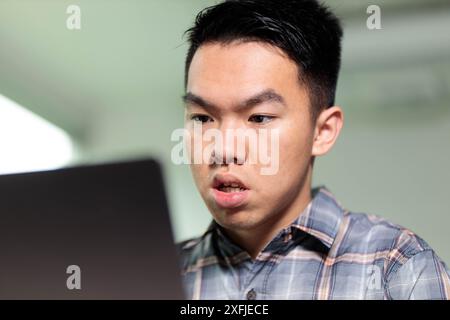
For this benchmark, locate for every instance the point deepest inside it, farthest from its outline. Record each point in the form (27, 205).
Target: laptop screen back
(91, 232)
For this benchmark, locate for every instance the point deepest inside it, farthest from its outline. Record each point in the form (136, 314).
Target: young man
(272, 66)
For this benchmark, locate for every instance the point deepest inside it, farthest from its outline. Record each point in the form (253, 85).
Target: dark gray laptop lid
(90, 232)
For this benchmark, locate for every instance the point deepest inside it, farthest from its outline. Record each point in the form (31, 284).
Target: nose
(229, 149)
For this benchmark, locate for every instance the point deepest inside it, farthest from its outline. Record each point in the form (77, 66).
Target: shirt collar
(320, 219)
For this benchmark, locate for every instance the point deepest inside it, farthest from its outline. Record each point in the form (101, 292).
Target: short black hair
(307, 31)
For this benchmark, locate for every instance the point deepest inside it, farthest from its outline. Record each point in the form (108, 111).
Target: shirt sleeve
(424, 276)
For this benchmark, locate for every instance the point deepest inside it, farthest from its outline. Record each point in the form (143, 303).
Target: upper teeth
(233, 185)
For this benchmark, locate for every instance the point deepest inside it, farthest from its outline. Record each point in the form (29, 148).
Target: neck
(256, 239)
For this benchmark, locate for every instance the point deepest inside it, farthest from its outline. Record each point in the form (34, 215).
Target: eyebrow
(268, 95)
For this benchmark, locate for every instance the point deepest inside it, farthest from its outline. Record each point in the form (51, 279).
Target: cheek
(295, 142)
(295, 146)
(193, 146)
(276, 189)
(200, 175)
(294, 150)
(287, 182)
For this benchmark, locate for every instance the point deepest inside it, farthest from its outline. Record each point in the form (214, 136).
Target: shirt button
(251, 295)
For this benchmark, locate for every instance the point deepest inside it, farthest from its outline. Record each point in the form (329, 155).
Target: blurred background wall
(114, 87)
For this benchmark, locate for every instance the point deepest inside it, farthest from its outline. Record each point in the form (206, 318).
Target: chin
(238, 220)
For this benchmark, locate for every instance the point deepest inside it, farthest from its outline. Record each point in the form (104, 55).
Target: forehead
(239, 69)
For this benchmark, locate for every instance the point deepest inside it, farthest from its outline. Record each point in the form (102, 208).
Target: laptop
(87, 232)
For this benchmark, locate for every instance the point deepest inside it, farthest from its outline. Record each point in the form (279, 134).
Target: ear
(328, 126)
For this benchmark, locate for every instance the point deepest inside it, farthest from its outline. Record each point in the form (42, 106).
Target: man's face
(223, 82)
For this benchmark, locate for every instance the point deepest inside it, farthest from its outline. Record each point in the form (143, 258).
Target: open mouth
(229, 192)
(230, 187)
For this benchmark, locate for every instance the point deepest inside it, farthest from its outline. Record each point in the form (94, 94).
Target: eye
(260, 118)
(201, 118)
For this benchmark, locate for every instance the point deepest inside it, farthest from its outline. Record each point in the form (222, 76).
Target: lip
(227, 178)
(229, 200)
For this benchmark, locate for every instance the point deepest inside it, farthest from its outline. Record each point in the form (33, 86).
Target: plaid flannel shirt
(327, 253)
